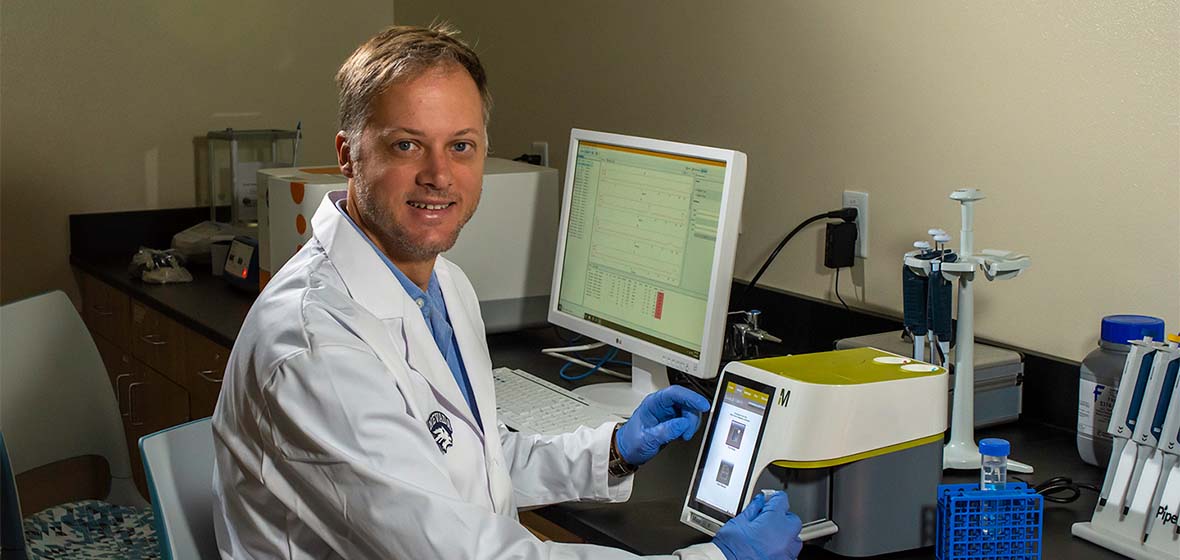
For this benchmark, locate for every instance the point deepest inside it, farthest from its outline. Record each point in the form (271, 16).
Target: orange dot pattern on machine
(300, 224)
(297, 192)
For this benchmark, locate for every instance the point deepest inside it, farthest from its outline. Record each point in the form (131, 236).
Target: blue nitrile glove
(667, 414)
(765, 529)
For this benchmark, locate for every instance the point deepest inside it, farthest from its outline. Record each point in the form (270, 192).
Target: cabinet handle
(131, 403)
(102, 311)
(118, 393)
(153, 339)
(207, 375)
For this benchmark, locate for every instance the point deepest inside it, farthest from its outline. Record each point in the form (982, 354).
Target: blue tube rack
(975, 524)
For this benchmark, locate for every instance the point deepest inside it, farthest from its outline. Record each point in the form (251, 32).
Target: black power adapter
(840, 245)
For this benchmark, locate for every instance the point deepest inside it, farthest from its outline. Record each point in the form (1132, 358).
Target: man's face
(417, 177)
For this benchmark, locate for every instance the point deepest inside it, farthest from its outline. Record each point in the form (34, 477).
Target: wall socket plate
(860, 201)
(543, 149)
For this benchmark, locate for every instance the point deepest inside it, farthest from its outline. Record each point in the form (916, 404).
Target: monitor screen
(736, 426)
(640, 241)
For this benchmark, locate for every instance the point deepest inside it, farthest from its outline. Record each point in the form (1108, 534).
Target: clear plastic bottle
(993, 475)
(1098, 381)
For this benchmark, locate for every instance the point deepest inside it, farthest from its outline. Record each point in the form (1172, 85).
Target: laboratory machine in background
(645, 254)
(854, 436)
(999, 375)
(506, 250)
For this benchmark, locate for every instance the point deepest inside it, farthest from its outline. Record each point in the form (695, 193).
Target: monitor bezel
(721, 274)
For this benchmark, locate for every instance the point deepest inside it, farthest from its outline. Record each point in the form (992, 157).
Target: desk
(649, 522)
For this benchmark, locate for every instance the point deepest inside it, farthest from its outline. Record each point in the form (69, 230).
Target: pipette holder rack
(979, 524)
(1124, 534)
(1140, 521)
(961, 452)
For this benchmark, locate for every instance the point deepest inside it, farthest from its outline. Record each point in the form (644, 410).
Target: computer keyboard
(532, 405)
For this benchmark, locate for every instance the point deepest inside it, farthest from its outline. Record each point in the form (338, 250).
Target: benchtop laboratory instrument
(854, 436)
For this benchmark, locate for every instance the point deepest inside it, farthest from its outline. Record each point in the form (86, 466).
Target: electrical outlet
(860, 201)
(543, 149)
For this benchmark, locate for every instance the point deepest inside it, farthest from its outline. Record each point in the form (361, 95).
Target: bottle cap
(994, 447)
(1121, 329)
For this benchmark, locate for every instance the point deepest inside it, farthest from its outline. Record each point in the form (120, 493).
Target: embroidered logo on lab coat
(440, 428)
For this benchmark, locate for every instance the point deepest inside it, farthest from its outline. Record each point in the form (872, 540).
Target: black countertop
(206, 305)
(649, 522)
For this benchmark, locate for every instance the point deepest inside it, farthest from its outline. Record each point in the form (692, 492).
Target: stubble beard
(394, 236)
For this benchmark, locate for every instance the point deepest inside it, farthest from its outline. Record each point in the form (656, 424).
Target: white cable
(557, 353)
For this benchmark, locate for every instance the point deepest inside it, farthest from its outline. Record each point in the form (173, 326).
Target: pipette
(1149, 488)
(1123, 418)
(941, 302)
(914, 301)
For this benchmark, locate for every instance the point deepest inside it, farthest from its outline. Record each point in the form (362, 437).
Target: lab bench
(171, 343)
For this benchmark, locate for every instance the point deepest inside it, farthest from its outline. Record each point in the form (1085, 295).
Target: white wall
(101, 101)
(1066, 114)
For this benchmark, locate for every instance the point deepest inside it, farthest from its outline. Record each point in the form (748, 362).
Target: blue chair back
(178, 463)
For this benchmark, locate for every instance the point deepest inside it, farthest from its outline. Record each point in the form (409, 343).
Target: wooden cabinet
(106, 311)
(204, 366)
(153, 403)
(157, 341)
(162, 373)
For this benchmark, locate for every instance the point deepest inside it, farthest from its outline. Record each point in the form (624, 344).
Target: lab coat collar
(373, 285)
(369, 281)
(472, 344)
(465, 319)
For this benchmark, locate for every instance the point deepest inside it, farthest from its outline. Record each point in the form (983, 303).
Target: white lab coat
(337, 407)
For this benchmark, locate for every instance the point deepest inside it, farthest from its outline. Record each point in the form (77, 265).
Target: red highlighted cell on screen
(659, 305)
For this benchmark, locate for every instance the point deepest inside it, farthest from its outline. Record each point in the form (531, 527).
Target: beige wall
(101, 101)
(1065, 113)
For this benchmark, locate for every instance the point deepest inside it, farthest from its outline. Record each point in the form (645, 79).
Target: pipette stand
(961, 452)
(1139, 521)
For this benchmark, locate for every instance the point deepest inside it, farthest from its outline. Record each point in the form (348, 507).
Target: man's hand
(663, 416)
(765, 529)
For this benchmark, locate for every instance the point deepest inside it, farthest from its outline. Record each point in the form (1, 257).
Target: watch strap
(618, 467)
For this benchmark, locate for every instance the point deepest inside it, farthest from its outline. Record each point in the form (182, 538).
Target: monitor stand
(621, 398)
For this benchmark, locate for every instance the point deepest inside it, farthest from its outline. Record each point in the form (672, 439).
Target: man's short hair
(400, 53)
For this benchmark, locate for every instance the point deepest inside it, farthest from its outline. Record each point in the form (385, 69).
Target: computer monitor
(645, 255)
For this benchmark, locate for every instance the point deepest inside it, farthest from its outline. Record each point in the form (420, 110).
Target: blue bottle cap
(1121, 329)
(994, 447)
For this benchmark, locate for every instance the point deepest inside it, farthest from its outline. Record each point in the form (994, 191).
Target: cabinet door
(106, 311)
(204, 363)
(120, 369)
(158, 342)
(153, 403)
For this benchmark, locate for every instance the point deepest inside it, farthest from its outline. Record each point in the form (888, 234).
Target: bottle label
(1095, 402)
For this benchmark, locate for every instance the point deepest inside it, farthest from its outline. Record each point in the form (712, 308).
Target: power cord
(1051, 488)
(838, 291)
(846, 214)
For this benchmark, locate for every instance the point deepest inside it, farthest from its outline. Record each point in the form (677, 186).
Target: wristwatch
(618, 466)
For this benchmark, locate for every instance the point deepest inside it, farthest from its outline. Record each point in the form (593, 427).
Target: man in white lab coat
(358, 417)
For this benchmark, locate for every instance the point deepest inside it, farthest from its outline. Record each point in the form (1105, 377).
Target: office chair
(56, 403)
(179, 465)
